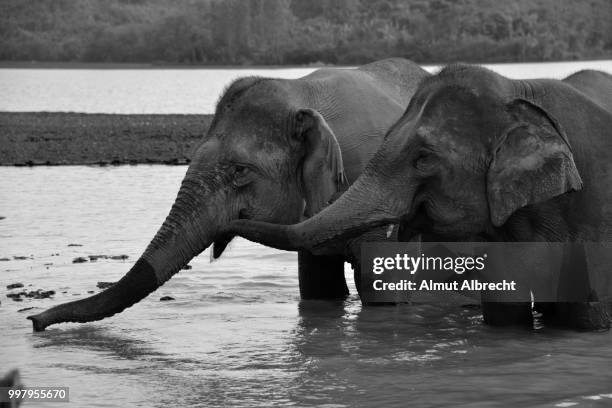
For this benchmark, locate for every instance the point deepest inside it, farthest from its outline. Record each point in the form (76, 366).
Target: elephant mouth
(222, 240)
(419, 225)
(219, 246)
(416, 223)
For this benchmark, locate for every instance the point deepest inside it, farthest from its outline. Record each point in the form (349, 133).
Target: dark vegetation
(216, 32)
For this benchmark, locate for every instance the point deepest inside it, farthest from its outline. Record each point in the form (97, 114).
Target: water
(175, 90)
(237, 333)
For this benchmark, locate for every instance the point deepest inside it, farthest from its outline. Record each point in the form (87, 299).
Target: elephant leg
(321, 277)
(582, 309)
(507, 314)
(357, 276)
(583, 316)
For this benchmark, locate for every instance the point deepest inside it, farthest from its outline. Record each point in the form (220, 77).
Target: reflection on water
(177, 90)
(237, 333)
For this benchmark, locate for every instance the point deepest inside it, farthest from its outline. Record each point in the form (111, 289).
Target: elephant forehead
(251, 146)
(451, 137)
(241, 147)
(455, 145)
(261, 126)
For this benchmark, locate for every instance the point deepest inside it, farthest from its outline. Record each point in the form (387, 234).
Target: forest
(301, 32)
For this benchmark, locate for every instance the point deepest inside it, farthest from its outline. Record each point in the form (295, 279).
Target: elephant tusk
(212, 253)
(390, 230)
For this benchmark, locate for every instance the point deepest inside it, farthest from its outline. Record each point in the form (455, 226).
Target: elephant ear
(322, 167)
(532, 162)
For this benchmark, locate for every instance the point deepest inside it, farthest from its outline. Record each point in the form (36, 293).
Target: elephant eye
(425, 160)
(241, 175)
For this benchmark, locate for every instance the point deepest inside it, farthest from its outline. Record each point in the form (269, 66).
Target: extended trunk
(181, 237)
(134, 286)
(363, 207)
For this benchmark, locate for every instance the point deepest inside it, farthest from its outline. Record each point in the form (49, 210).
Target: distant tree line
(243, 32)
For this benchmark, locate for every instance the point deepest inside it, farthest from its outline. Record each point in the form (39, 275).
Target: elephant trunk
(363, 207)
(181, 237)
(134, 286)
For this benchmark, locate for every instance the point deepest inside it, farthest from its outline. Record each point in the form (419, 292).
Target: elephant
(594, 84)
(277, 150)
(480, 157)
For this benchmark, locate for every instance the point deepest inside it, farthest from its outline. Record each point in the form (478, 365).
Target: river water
(236, 333)
(177, 90)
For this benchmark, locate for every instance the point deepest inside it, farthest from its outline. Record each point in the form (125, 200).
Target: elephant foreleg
(321, 277)
(507, 314)
(583, 316)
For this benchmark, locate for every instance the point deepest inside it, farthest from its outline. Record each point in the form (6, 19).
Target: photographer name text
(430, 285)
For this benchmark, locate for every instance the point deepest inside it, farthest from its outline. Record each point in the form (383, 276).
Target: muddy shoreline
(57, 138)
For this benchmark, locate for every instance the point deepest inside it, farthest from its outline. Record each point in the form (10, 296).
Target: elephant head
(470, 151)
(265, 157)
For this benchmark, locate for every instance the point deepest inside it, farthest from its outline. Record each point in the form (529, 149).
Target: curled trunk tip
(37, 322)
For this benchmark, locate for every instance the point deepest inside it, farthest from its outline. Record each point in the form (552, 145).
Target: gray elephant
(594, 84)
(479, 157)
(277, 151)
